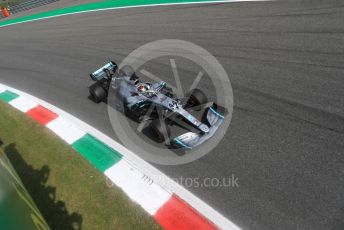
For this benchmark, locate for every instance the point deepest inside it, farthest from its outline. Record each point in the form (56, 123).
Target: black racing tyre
(160, 130)
(196, 97)
(97, 93)
(129, 71)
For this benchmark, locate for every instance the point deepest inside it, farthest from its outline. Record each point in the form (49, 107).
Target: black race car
(195, 119)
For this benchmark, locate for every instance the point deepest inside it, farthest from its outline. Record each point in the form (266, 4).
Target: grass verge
(69, 192)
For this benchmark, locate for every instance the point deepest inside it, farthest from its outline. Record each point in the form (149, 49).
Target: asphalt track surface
(285, 60)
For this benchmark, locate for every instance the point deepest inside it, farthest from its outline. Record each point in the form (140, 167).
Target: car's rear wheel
(161, 130)
(97, 93)
(129, 71)
(196, 98)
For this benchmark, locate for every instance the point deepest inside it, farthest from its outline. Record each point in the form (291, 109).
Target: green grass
(12, 3)
(70, 193)
(97, 5)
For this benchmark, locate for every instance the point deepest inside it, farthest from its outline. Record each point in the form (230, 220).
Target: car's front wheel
(196, 98)
(161, 130)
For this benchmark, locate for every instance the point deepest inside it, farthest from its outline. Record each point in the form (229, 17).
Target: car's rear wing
(104, 71)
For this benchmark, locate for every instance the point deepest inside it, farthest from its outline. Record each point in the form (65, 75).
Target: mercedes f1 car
(192, 119)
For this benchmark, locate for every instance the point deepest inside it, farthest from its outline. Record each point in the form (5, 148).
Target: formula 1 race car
(192, 119)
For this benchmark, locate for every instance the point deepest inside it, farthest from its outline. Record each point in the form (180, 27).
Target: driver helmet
(143, 87)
